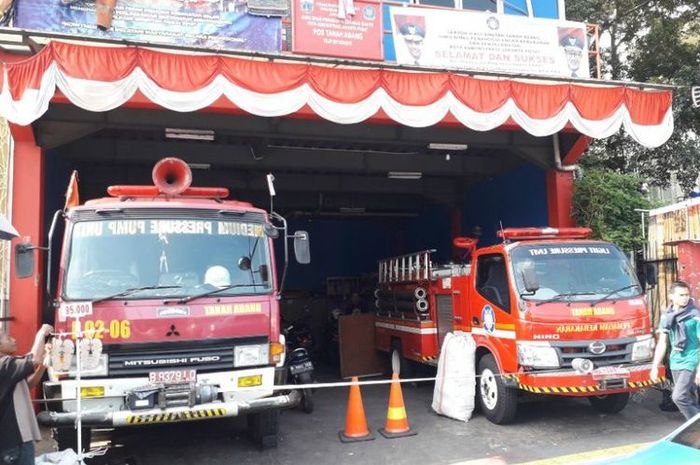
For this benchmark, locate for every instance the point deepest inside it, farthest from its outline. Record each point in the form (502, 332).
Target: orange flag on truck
(72, 197)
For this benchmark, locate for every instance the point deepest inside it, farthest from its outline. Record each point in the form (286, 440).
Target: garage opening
(363, 191)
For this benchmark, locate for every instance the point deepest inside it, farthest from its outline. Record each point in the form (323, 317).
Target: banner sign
(197, 23)
(330, 28)
(489, 42)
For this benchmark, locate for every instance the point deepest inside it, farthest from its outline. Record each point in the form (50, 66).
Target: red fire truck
(167, 297)
(551, 312)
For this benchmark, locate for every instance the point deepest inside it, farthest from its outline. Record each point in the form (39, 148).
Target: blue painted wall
(352, 246)
(516, 198)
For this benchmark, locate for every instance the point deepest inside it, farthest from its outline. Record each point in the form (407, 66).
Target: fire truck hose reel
(422, 305)
(400, 295)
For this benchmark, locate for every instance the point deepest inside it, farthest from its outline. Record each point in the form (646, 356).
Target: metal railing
(415, 266)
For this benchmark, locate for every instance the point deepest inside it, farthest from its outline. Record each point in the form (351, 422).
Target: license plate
(172, 376)
(301, 368)
(610, 373)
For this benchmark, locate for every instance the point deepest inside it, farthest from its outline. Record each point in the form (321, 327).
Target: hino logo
(596, 348)
(172, 361)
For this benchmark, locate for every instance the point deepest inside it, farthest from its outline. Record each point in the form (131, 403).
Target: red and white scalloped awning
(103, 78)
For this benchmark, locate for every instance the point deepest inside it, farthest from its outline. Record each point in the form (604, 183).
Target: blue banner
(220, 24)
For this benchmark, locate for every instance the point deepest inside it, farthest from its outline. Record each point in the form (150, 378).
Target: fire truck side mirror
(530, 280)
(24, 260)
(302, 250)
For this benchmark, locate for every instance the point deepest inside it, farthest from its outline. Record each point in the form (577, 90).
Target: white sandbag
(456, 377)
(64, 457)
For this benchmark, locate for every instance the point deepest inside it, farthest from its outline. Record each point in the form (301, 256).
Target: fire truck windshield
(173, 258)
(577, 271)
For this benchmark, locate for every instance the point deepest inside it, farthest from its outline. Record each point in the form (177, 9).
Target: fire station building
(389, 126)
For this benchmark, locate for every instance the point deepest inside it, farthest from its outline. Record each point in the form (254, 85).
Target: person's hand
(45, 330)
(654, 373)
(47, 355)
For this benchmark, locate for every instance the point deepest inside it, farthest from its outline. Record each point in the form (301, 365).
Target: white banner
(489, 42)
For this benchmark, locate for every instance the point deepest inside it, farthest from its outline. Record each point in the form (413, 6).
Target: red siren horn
(172, 176)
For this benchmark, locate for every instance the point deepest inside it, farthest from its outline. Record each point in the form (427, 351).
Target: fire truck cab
(166, 310)
(551, 313)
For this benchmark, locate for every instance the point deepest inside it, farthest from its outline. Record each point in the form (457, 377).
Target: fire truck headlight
(537, 356)
(643, 349)
(251, 355)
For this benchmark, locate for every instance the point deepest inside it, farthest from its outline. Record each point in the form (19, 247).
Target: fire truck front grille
(616, 351)
(141, 362)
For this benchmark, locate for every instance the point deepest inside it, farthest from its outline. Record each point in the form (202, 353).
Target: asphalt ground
(544, 430)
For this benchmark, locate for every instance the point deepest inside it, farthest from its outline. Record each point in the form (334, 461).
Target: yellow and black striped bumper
(576, 384)
(205, 411)
(171, 415)
(581, 389)
(199, 414)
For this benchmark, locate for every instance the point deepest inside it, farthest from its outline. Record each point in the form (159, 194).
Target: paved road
(544, 429)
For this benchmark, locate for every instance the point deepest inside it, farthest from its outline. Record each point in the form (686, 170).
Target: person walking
(18, 426)
(680, 325)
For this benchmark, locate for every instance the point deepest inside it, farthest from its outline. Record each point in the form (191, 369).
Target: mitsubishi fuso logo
(173, 331)
(174, 360)
(596, 348)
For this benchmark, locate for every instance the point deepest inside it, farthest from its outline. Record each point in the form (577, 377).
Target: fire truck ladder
(415, 266)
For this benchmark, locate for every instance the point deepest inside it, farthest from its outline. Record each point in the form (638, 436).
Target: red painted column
(560, 194)
(689, 265)
(27, 217)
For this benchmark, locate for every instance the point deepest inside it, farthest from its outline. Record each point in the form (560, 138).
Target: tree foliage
(606, 201)
(650, 41)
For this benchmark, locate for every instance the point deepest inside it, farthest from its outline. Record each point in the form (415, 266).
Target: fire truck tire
(406, 367)
(263, 427)
(67, 438)
(612, 403)
(497, 402)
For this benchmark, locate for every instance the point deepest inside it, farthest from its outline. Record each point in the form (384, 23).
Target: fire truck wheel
(67, 438)
(406, 368)
(612, 403)
(263, 427)
(498, 403)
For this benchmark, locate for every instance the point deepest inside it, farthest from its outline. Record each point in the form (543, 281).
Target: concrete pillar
(560, 193)
(27, 215)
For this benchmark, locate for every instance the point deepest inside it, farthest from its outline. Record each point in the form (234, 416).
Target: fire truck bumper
(170, 415)
(572, 383)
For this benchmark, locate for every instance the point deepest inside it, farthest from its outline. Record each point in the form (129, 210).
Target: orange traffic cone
(355, 422)
(396, 421)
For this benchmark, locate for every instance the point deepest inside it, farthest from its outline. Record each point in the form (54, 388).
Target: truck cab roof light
(152, 191)
(544, 233)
